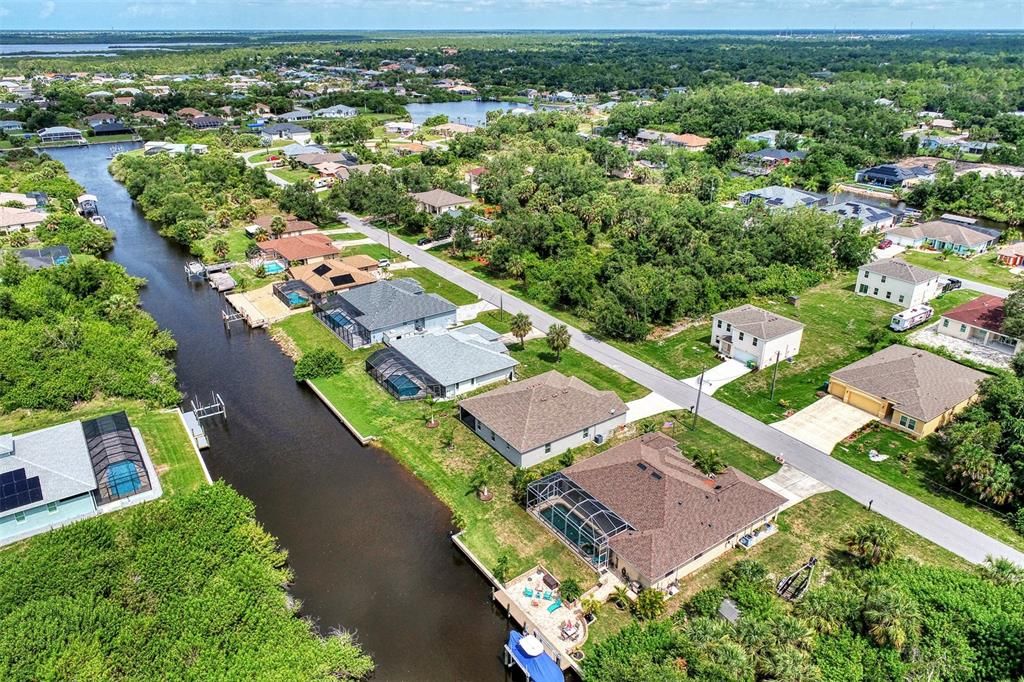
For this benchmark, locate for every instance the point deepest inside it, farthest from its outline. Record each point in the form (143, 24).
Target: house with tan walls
(908, 389)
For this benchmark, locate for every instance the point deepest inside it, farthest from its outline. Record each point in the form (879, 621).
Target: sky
(505, 14)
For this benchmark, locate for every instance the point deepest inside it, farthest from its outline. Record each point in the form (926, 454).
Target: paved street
(903, 509)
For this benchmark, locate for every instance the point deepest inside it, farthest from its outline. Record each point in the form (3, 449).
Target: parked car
(384, 263)
(951, 284)
(423, 241)
(885, 244)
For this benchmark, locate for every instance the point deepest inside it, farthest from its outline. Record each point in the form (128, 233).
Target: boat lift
(199, 412)
(794, 587)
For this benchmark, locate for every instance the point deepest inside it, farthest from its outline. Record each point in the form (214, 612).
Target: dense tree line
(897, 620)
(187, 587)
(999, 197)
(188, 195)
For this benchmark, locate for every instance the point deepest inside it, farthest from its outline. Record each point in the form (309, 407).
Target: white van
(911, 317)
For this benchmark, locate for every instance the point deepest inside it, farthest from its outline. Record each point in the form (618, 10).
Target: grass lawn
(837, 323)
(292, 175)
(983, 268)
(165, 436)
(237, 239)
(537, 358)
(346, 236)
(435, 284)
(919, 475)
(491, 529)
(377, 251)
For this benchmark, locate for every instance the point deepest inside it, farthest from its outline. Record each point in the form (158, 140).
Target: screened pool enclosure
(579, 519)
(116, 458)
(400, 377)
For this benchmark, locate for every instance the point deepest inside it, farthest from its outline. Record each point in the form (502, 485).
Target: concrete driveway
(648, 406)
(824, 423)
(794, 485)
(718, 376)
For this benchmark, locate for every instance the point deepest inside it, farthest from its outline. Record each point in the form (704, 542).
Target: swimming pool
(338, 319)
(273, 267)
(123, 478)
(296, 299)
(572, 527)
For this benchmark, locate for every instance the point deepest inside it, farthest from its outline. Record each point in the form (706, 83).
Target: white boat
(98, 220)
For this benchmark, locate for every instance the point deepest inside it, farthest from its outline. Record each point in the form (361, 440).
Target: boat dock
(195, 430)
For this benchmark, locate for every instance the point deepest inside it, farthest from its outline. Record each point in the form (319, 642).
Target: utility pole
(696, 408)
(775, 373)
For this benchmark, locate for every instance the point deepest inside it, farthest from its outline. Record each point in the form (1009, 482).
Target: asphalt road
(926, 521)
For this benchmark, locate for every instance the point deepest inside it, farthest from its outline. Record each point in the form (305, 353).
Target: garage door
(863, 402)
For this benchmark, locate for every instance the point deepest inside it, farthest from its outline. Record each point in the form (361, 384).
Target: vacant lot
(435, 284)
(983, 268)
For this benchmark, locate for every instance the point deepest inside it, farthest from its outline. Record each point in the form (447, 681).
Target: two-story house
(755, 336)
(898, 282)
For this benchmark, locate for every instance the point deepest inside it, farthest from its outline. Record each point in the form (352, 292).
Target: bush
(317, 363)
(570, 590)
(650, 604)
(705, 602)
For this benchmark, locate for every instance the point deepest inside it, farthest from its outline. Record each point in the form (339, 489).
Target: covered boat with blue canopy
(527, 652)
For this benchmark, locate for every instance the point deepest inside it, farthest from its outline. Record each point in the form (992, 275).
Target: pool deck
(537, 620)
(260, 307)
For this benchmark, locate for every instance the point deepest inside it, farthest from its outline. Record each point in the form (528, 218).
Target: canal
(368, 542)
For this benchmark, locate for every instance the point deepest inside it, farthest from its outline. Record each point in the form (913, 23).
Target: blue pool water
(339, 319)
(295, 298)
(123, 478)
(273, 267)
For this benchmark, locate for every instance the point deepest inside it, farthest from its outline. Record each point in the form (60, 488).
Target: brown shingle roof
(331, 275)
(759, 322)
(291, 224)
(440, 198)
(301, 247)
(986, 312)
(676, 512)
(542, 409)
(361, 261)
(945, 231)
(920, 384)
(901, 270)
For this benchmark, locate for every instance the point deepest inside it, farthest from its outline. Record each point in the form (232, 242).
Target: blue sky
(496, 14)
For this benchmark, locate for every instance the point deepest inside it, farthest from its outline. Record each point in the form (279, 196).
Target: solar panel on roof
(338, 280)
(16, 490)
(321, 270)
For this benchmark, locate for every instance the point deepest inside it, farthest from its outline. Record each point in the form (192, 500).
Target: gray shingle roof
(866, 213)
(777, 196)
(542, 409)
(59, 456)
(946, 231)
(676, 512)
(455, 356)
(387, 304)
(901, 270)
(759, 322)
(920, 384)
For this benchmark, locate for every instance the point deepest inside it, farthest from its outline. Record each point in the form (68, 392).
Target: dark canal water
(367, 541)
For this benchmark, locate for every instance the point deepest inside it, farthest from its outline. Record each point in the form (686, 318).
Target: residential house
(535, 419)
(97, 119)
(300, 249)
(645, 513)
(410, 148)
(472, 178)
(126, 101)
(261, 109)
(898, 282)
(447, 130)
(45, 257)
(907, 388)
(189, 113)
(173, 148)
(296, 115)
(980, 321)
(341, 158)
(438, 201)
(99, 94)
(776, 196)
(687, 141)
(286, 131)
(115, 128)
(892, 175)
(441, 364)
(330, 276)
(771, 158)
(61, 474)
(400, 127)
(337, 111)
(364, 315)
(296, 149)
(154, 116)
(943, 235)
(60, 134)
(11, 126)
(206, 122)
(871, 218)
(14, 219)
(293, 227)
(766, 137)
(754, 336)
(9, 107)
(1012, 254)
(24, 200)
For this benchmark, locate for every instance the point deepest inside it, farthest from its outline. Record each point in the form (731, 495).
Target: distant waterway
(466, 112)
(368, 542)
(87, 49)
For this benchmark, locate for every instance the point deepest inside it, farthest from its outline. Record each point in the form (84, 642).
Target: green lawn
(347, 236)
(913, 469)
(983, 268)
(165, 437)
(491, 529)
(837, 322)
(537, 358)
(435, 284)
(237, 239)
(377, 251)
(292, 175)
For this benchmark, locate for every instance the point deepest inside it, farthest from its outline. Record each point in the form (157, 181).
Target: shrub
(650, 604)
(317, 363)
(705, 602)
(570, 590)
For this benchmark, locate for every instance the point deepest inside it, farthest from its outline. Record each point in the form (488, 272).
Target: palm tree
(521, 326)
(874, 542)
(892, 618)
(261, 235)
(709, 462)
(485, 472)
(277, 226)
(558, 339)
(789, 664)
(621, 597)
(516, 267)
(1002, 571)
(221, 249)
(835, 189)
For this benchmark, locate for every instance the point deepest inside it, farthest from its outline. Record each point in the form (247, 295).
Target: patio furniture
(555, 606)
(527, 592)
(534, 602)
(547, 595)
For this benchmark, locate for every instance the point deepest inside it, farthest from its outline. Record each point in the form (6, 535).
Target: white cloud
(47, 9)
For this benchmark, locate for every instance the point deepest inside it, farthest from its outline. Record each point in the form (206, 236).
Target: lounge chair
(554, 607)
(547, 595)
(527, 592)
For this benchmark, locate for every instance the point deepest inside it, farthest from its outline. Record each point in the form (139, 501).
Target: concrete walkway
(916, 516)
(648, 406)
(794, 485)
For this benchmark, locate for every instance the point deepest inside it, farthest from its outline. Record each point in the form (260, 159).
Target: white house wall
(538, 455)
(898, 292)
